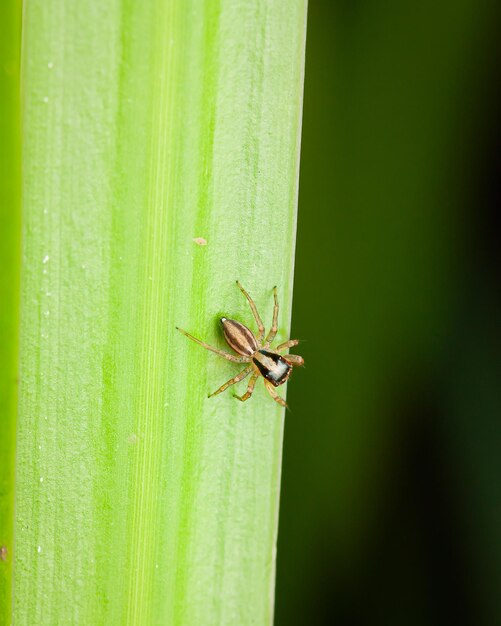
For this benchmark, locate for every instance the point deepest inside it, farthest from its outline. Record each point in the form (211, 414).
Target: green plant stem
(148, 125)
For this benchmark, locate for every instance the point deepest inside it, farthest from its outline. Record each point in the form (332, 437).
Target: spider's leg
(250, 388)
(259, 322)
(236, 379)
(225, 355)
(274, 325)
(274, 394)
(287, 344)
(294, 359)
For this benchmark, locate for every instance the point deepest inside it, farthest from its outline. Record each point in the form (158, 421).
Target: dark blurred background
(391, 493)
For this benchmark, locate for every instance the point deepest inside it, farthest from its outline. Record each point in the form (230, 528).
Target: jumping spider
(263, 361)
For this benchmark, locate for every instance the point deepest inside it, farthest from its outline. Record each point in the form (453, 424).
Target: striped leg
(236, 379)
(257, 317)
(225, 355)
(250, 389)
(274, 394)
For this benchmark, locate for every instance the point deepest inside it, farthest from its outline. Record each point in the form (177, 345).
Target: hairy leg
(294, 359)
(250, 389)
(274, 324)
(287, 344)
(225, 355)
(236, 379)
(257, 317)
(274, 394)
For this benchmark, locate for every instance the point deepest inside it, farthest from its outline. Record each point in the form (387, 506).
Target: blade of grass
(149, 125)
(10, 211)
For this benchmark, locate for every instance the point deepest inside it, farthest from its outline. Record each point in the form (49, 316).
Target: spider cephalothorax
(263, 361)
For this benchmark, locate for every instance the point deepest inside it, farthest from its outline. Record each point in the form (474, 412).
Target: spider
(263, 361)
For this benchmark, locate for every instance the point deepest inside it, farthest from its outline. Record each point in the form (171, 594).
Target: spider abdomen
(272, 366)
(239, 337)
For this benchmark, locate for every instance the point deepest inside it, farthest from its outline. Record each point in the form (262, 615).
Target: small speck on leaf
(3, 553)
(200, 241)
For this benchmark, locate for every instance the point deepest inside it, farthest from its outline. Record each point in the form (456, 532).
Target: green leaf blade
(154, 125)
